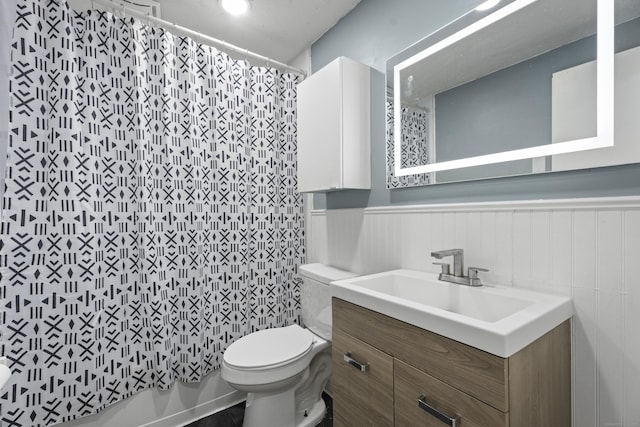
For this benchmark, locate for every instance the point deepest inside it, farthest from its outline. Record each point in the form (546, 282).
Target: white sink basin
(499, 320)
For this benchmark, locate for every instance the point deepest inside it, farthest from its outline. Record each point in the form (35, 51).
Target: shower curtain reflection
(417, 145)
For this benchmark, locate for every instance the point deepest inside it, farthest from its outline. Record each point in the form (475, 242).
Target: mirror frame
(604, 92)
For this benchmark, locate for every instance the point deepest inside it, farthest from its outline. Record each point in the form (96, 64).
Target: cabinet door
(361, 398)
(320, 159)
(446, 402)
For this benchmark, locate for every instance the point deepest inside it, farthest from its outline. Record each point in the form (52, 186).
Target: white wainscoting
(588, 249)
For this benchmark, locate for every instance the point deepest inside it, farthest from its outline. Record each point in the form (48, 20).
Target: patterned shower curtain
(415, 146)
(150, 216)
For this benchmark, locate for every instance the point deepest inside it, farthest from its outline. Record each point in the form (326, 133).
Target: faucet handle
(474, 280)
(445, 267)
(473, 271)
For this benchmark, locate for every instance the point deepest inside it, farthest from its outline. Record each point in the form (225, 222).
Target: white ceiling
(277, 29)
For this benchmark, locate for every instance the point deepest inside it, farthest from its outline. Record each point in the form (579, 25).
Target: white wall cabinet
(334, 128)
(573, 112)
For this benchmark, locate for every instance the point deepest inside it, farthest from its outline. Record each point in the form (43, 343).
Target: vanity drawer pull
(452, 422)
(361, 366)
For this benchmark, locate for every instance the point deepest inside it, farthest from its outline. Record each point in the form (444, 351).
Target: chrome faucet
(458, 255)
(471, 279)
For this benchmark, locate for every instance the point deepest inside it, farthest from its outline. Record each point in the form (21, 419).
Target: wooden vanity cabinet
(532, 388)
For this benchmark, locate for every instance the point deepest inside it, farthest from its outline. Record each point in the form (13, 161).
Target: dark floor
(232, 417)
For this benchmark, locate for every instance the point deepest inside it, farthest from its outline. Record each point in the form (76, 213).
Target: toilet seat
(289, 351)
(269, 348)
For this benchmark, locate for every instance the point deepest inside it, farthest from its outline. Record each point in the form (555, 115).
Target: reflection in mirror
(488, 112)
(573, 108)
(417, 144)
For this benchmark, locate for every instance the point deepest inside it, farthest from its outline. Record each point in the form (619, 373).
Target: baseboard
(191, 415)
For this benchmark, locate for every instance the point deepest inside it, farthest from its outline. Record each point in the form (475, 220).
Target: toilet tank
(316, 297)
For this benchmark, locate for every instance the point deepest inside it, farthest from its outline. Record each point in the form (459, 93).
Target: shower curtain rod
(193, 33)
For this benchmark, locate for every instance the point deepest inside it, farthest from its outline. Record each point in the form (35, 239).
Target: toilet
(284, 370)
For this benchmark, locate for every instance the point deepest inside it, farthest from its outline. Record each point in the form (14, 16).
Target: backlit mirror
(513, 91)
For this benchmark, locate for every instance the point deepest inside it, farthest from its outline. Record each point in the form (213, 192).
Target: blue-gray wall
(377, 30)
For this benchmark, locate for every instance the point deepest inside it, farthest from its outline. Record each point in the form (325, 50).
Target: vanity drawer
(473, 371)
(411, 384)
(361, 397)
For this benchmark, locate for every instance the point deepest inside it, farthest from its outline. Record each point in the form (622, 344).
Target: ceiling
(277, 29)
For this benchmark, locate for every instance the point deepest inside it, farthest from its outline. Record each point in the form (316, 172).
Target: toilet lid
(269, 347)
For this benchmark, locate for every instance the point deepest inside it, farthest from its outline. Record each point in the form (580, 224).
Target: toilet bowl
(284, 370)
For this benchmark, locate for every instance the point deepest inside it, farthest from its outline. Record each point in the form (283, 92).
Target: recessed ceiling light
(487, 5)
(235, 7)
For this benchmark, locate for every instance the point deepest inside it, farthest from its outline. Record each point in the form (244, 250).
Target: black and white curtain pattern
(150, 216)
(415, 146)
